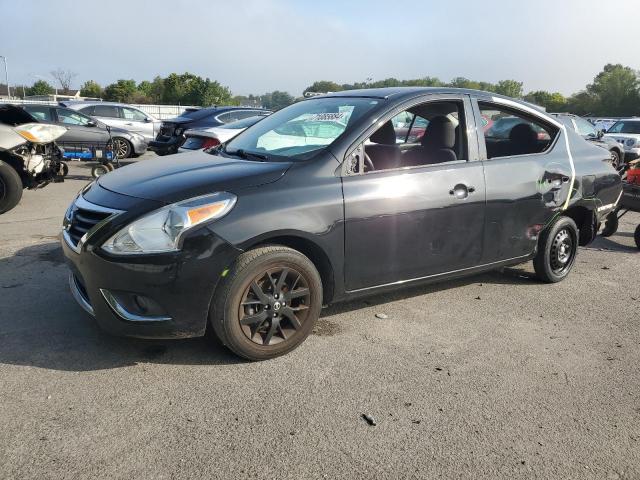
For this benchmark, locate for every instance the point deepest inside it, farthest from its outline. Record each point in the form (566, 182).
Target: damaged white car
(29, 157)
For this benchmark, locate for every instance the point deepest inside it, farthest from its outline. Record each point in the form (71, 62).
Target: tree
(461, 82)
(41, 87)
(615, 91)
(64, 78)
(552, 102)
(323, 86)
(152, 90)
(91, 88)
(510, 88)
(121, 91)
(276, 100)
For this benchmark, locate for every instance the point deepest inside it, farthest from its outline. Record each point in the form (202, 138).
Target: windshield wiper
(242, 153)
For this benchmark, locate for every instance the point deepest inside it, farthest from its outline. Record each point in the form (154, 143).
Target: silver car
(120, 115)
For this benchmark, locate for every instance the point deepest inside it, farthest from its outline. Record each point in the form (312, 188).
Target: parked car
(171, 134)
(199, 139)
(602, 123)
(119, 115)
(253, 237)
(29, 156)
(627, 133)
(588, 131)
(84, 130)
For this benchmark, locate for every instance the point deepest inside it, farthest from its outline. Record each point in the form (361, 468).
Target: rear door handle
(461, 191)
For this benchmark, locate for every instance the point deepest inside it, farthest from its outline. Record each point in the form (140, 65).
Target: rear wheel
(268, 303)
(557, 250)
(636, 236)
(10, 187)
(610, 224)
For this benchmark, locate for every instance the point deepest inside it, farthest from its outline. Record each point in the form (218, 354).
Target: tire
(99, 170)
(636, 236)
(10, 187)
(257, 324)
(557, 250)
(65, 169)
(616, 159)
(610, 224)
(110, 166)
(122, 147)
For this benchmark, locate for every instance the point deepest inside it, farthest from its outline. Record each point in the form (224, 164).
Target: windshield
(625, 127)
(301, 130)
(246, 123)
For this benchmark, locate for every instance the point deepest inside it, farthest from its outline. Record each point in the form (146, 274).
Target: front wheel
(268, 303)
(557, 250)
(10, 187)
(616, 159)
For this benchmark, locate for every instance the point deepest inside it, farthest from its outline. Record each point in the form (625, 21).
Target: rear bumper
(165, 147)
(177, 287)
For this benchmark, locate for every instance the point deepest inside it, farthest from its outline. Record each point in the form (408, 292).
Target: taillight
(210, 142)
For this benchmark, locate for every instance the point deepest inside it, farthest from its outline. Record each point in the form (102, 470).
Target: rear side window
(508, 132)
(133, 114)
(105, 111)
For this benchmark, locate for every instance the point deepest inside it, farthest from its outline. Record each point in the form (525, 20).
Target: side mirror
(91, 123)
(600, 133)
(148, 120)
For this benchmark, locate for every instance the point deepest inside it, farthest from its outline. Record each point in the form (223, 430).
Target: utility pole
(6, 75)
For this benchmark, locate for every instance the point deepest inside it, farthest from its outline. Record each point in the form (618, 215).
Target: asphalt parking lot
(497, 376)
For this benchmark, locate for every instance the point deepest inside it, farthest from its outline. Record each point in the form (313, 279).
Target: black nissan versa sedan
(326, 200)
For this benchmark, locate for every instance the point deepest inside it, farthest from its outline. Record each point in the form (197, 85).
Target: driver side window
(426, 134)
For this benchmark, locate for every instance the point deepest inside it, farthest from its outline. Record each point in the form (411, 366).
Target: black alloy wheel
(121, 147)
(267, 302)
(274, 306)
(557, 250)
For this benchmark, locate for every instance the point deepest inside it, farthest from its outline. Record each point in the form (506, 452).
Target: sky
(256, 46)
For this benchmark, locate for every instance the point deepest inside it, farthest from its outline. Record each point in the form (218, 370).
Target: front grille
(83, 220)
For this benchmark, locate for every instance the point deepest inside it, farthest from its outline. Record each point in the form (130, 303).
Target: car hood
(177, 177)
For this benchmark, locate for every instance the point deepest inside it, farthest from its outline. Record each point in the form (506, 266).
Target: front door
(421, 213)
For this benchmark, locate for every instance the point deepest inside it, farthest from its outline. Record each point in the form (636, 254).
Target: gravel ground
(496, 376)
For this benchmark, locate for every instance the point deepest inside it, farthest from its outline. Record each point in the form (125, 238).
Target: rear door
(136, 121)
(528, 173)
(408, 223)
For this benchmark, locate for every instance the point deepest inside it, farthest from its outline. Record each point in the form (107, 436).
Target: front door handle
(461, 191)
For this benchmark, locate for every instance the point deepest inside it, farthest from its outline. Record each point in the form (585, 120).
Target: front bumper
(166, 145)
(139, 144)
(178, 285)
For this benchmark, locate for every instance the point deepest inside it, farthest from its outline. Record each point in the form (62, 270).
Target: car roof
(399, 92)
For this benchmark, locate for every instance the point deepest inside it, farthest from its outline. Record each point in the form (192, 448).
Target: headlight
(40, 132)
(162, 230)
(630, 142)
